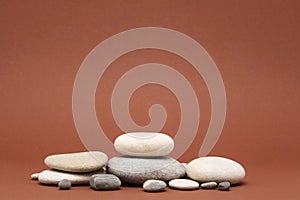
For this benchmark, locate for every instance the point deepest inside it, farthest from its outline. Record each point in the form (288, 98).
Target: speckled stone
(64, 184)
(146, 144)
(154, 186)
(183, 184)
(217, 169)
(209, 185)
(35, 176)
(224, 186)
(105, 182)
(77, 162)
(50, 177)
(137, 170)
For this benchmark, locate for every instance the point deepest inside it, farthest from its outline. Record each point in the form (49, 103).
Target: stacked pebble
(144, 161)
(145, 158)
(71, 168)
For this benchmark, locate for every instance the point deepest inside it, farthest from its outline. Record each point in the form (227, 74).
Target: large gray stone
(105, 182)
(136, 170)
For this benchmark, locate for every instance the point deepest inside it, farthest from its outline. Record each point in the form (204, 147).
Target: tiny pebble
(209, 185)
(183, 184)
(154, 186)
(184, 165)
(64, 184)
(224, 186)
(35, 176)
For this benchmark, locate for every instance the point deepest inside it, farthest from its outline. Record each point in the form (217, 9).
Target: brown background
(255, 44)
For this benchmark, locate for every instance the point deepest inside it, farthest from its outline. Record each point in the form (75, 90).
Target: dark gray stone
(64, 184)
(224, 186)
(105, 182)
(137, 170)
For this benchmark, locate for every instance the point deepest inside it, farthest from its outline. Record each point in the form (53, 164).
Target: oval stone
(184, 184)
(217, 169)
(64, 184)
(137, 170)
(77, 162)
(154, 186)
(146, 144)
(50, 177)
(105, 182)
(209, 185)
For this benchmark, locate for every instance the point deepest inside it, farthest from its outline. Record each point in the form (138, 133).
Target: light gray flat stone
(105, 182)
(137, 170)
(50, 177)
(77, 162)
(209, 185)
(146, 144)
(183, 184)
(217, 169)
(154, 186)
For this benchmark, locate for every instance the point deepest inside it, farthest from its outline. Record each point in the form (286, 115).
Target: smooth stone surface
(209, 185)
(64, 184)
(50, 177)
(217, 169)
(35, 176)
(224, 186)
(184, 184)
(184, 165)
(137, 170)
(146, 144)
(77, 162)
(154, 186)
(105, 182)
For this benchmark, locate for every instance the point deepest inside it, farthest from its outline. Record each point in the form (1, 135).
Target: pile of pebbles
(145, 162)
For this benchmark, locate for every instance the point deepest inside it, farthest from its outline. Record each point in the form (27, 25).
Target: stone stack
(77, 168)
(144, 158)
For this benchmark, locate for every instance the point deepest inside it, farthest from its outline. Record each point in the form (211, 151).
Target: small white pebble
(35, 176)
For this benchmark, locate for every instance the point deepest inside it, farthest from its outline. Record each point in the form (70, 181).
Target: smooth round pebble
(137, 170)
(154, 186)
(35, 176)
(184, 184)
(146, 144)
(50, 177)
(209, 185)
(217, 169)
(224, 186)
(77, 162)
(105, 182)
(64, 184)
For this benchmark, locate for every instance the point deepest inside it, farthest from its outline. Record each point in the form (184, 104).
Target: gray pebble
(224, 186)
(105, 182)
(209, 185)
(154, 186)
(64, 184)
